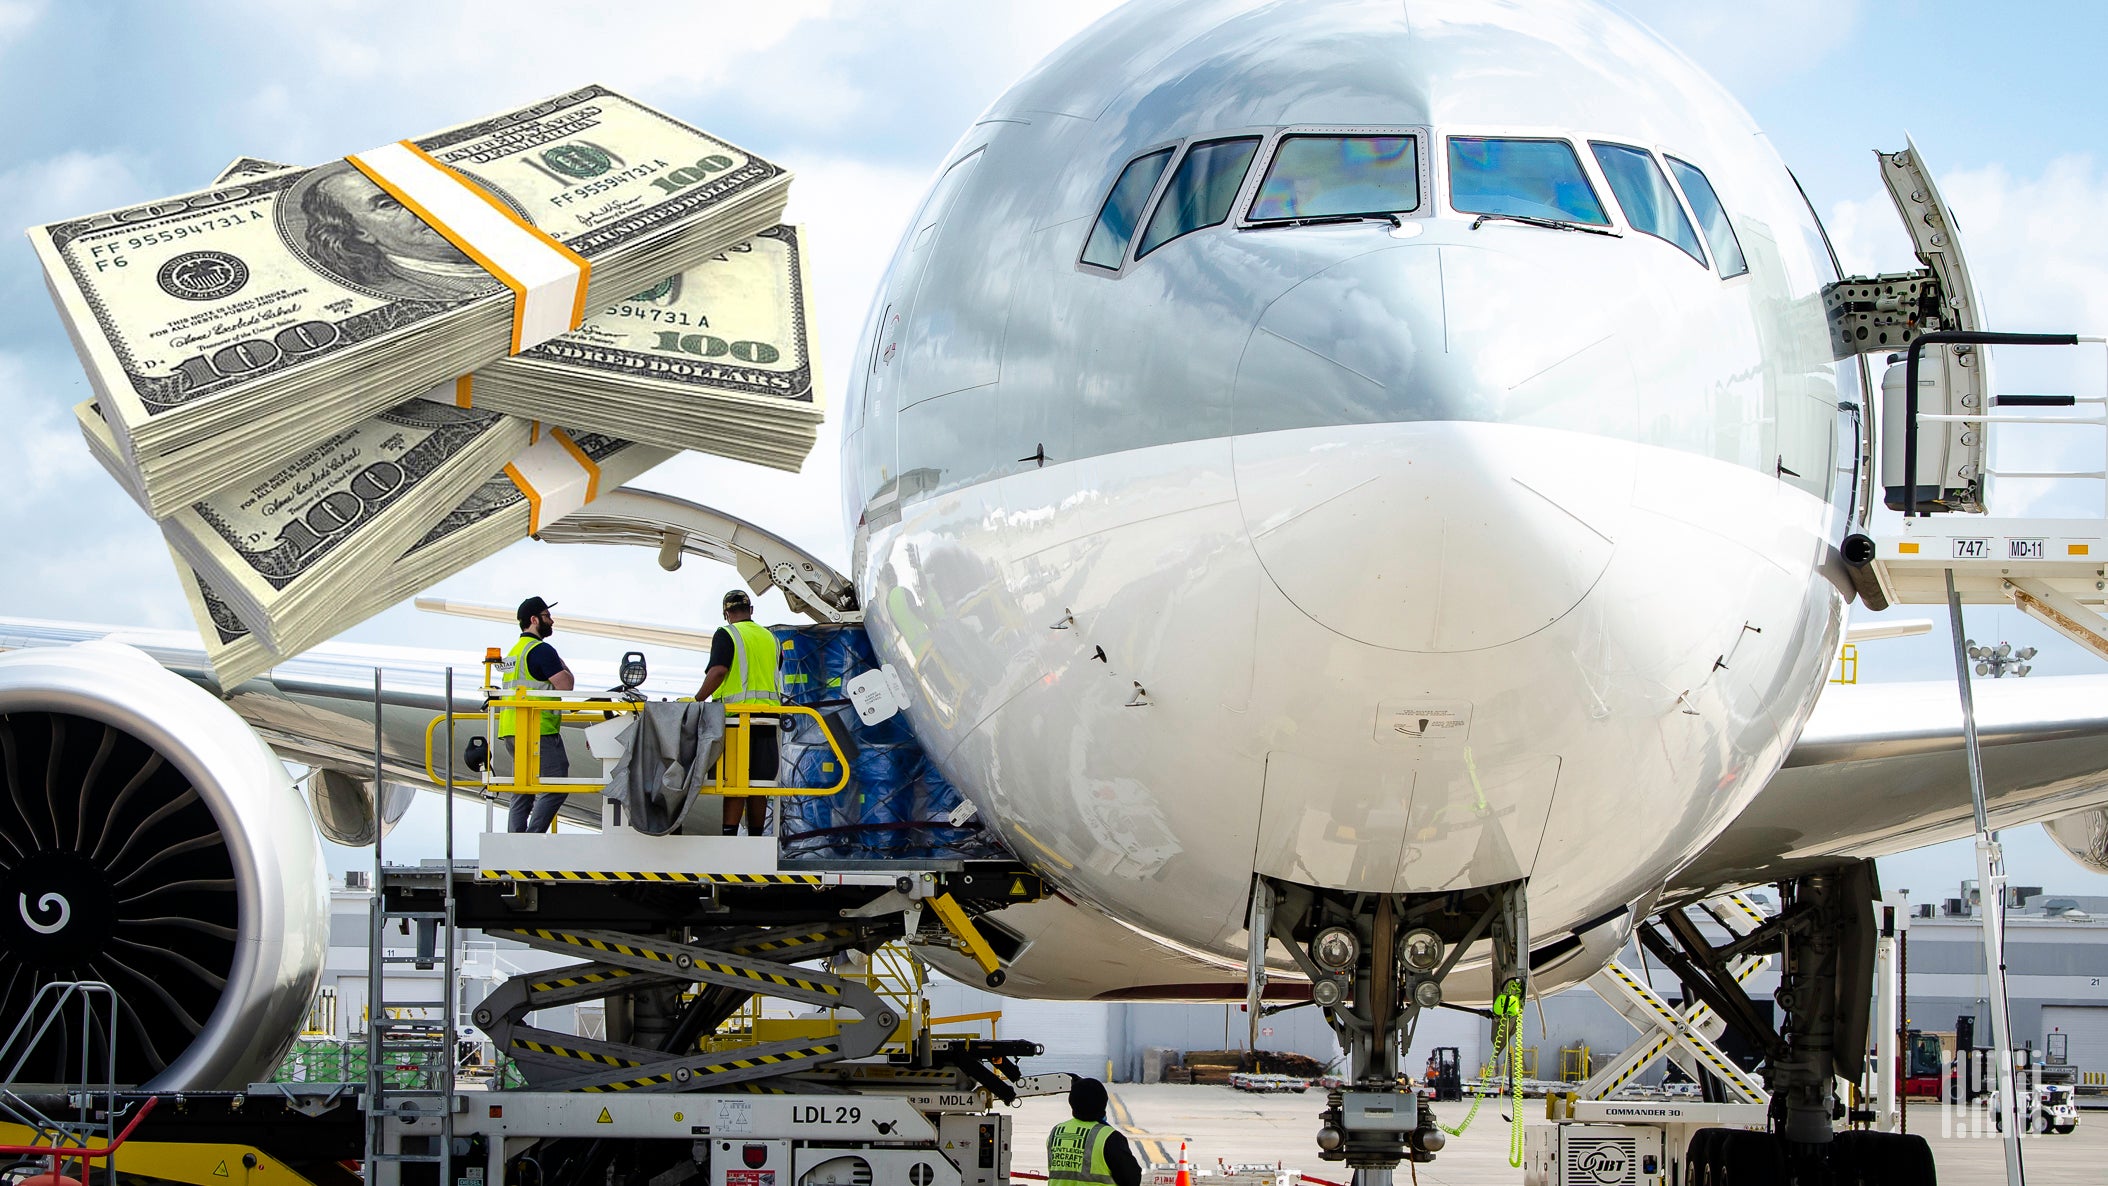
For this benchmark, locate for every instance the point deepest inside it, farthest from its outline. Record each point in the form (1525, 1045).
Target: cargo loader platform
(679, 938)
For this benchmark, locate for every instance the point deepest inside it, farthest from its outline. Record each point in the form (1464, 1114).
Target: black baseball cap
(532, 608)
(737, 598)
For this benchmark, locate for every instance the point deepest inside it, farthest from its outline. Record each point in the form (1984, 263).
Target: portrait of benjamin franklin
(355, 232)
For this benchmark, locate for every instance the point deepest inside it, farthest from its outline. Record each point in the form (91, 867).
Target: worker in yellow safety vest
(1087, 1150)
(743, 671)
(534, 666)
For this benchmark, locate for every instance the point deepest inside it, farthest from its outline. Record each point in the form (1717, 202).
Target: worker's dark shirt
(721, 649)
(543, 662)
(1120, 1159)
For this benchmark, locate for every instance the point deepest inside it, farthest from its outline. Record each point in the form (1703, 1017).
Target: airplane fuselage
(1402, 553)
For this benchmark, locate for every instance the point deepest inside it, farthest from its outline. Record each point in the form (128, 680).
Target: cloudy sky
(119, 102)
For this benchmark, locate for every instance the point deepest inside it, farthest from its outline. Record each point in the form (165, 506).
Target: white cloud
(490, 53)
(1750, 45)
(67, 185)
(17, 17)
(41, 452)
(817, 65)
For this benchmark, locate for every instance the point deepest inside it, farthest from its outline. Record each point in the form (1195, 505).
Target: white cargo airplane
(1367, 474)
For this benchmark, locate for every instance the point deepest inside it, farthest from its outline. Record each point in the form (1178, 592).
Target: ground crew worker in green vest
(743, 671)
(533, 665)
(1087, 1150)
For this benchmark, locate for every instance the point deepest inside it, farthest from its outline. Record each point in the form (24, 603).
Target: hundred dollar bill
(228, 328)
(725, 341)
(237, 656)
(281, 549)
(718, 359)
(248, 166)
(490, 519)
(102, 445)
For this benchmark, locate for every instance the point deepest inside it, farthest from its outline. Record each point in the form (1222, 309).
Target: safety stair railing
(403, 1036)
(2054, 569)
(1914, 419)
(83, 1153)
(89, 1089)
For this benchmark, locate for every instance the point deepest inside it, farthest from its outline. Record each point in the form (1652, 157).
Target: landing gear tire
(1699, 1157)
(1907, 1161)
(1881, 1159)
(1855, 1158)
(1748, 1159)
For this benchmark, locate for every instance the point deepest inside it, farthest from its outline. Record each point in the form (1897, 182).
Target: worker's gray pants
(534, 813)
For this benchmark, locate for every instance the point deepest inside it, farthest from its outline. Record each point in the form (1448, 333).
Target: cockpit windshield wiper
(1555, 224)
(1329, 220)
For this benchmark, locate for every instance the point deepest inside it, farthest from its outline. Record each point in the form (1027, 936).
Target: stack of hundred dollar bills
(313, 392)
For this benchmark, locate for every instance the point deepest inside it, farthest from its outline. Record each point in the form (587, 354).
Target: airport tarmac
(1224, 1124)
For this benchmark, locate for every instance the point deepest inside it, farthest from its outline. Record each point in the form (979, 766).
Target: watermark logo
(1970, 1101)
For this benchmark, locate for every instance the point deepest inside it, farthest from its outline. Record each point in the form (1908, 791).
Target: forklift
(1445, 1074)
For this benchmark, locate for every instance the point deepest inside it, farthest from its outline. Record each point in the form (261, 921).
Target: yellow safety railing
(1847, 668)
(730, 773)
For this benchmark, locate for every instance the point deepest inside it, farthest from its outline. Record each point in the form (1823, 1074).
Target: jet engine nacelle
(149, 840)
(2083, 835)
(344, 806)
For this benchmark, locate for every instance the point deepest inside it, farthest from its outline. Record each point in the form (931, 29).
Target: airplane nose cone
(1461, 492)
(1448, 536)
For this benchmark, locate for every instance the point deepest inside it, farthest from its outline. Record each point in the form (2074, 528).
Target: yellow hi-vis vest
(752, 678)
(1076, 1154)
(519, 681)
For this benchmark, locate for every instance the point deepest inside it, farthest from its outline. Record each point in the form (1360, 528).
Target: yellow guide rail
(728, 777)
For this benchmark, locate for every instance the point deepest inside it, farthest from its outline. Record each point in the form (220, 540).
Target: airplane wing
(678, 637)
(1880, 769)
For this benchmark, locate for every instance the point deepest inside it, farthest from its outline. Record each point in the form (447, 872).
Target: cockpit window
(1650, 205)
(1727, 250)
(1530, 178)
(1122, 212)
(1201, 192)
(1332, 176)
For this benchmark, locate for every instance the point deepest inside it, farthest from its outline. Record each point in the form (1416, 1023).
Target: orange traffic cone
(1185, 1171)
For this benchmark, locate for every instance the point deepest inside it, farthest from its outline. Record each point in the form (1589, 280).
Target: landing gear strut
(1824, 933)
(1375, 962)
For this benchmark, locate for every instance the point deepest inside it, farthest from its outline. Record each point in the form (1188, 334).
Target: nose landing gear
(1376, 962)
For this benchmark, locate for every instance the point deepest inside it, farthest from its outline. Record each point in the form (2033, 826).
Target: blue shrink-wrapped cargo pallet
(896, 806)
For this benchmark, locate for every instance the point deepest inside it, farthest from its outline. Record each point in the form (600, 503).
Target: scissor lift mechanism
(718, 939)
(1687, 1034)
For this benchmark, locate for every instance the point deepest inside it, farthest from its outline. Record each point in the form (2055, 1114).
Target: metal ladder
(90, 1087)
(398, 1028)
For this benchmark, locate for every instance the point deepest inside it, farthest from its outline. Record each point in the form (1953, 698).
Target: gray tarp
(673, 749)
